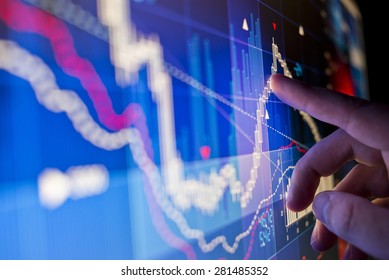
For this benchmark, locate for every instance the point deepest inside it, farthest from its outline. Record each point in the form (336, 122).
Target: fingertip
(298, 198)
(295, 205)
(315, 239)
(289, 199)
(291, 205)
(275, 81)
(321, 238)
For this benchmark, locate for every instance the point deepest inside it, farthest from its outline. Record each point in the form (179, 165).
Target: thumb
(356, 220)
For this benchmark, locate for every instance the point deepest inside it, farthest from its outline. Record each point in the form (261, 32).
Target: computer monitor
(146, 129)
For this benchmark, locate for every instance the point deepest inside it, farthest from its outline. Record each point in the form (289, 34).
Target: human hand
(357, 210)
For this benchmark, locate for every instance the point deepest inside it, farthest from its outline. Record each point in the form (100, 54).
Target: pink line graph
(30, 19)
(252, 237)
(298, 147)
(24, 18)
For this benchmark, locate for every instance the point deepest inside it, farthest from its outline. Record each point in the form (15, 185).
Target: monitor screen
(146, 129)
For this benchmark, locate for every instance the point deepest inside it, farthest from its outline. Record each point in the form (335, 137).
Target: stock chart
(147, 129)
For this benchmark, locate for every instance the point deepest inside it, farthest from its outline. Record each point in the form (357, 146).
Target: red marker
(205, 152)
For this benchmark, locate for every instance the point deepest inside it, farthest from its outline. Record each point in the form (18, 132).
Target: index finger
(360, 118)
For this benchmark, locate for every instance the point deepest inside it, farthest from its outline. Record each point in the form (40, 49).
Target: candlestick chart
(147, 129)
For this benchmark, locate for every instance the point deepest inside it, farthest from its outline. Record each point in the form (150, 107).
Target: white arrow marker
(245, 26)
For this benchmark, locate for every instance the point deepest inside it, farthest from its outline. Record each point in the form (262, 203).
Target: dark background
(375, 31)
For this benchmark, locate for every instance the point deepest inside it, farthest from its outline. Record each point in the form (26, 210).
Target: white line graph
(126, 40)
(129, 51)
(55, 187)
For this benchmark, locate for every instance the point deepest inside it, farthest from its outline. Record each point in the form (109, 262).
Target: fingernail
(314, 238)
(347, 254)
(320, 205)
(288, 198)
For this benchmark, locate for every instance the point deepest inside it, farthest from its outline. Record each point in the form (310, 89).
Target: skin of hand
(357, 209)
